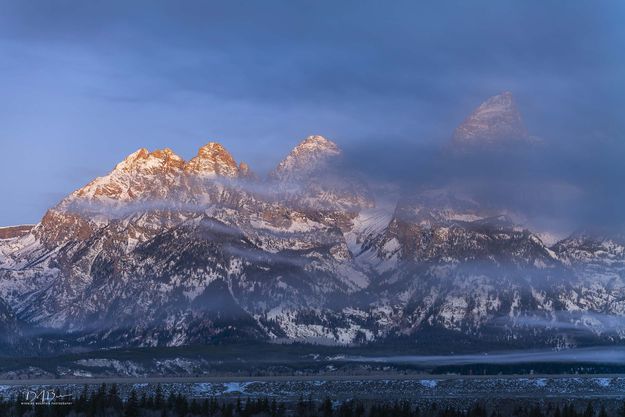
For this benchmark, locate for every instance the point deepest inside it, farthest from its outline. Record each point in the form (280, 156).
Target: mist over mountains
(565, 183)
(494, 239)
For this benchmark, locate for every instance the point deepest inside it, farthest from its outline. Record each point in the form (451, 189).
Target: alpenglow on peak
(495, 120)
(144, 161)
(308, 155)
(213, 160)
(159, 174)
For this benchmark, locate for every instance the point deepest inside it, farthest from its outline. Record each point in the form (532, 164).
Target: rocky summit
(167, 252)
(311, 154)
(497, 120)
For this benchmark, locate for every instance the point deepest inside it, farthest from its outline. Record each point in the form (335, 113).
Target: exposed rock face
(7, 319)
(95, 253)
(9, 328)
(246, 172)
(161, 161)
(495, 121)
(164, 252)
(309, 178)
(145, 175)
(142, 175)
(11, 232)
(213, 160)
(144, 181)
(594, 251)
(310, 155)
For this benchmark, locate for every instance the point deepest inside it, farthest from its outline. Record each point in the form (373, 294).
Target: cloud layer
(87, 83)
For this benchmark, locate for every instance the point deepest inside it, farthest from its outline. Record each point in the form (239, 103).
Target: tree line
(107, 402)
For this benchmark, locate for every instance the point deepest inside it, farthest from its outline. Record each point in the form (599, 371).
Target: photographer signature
(46, 397)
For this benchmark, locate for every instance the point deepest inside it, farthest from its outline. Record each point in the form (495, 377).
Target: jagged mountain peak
(505, 99)
(496, 119)
(154, 162)
(155, 175)
(213, 149)
(150, 254)
(308, 155)
(213, 160)
(318, 141)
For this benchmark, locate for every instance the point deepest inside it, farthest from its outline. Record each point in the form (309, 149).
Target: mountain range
(167, 252)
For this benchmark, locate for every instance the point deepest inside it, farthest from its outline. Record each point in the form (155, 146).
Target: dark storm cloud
(341, 51)
(554, 187)
(387, 81)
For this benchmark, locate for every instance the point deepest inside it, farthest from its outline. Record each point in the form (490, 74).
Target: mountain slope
(166, 252)
(137, 248)
(310, 155)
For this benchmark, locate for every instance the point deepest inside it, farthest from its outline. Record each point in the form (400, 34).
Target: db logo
(44, 397)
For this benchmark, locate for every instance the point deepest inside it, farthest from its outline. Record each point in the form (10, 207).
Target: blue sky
(86, 83)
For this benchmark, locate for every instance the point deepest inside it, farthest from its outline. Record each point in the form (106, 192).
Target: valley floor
(448, 389)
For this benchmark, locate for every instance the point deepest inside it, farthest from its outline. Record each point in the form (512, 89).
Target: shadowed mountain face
(496, 121)
(167, 252)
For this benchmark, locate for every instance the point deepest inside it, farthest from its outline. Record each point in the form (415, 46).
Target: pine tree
(346, 409)
(603, 412)
(81, 404)
(360, 410)
(300, 408)
(113, 399)
(182, 405)
(227, 410)
(326, 408)
(557, 412)
(158, 397)
(171, 400)
(132, 405)
(535, 412)
(195, 407)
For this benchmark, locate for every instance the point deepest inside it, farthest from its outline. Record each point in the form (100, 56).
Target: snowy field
(445, 389)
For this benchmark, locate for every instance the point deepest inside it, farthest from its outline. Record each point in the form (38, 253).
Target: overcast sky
(83, 84)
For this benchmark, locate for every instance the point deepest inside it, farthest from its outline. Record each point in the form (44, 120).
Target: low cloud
(576, 321)
(261, 257)
(574, 187)
(598, 355)
(88, 82)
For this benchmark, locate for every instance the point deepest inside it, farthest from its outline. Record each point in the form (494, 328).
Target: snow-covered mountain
(163, 251)
(495, 121)
(9, 327)
(310, 155)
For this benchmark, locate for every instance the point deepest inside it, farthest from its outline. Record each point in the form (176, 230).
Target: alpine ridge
(213, 160)
(165, 252)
